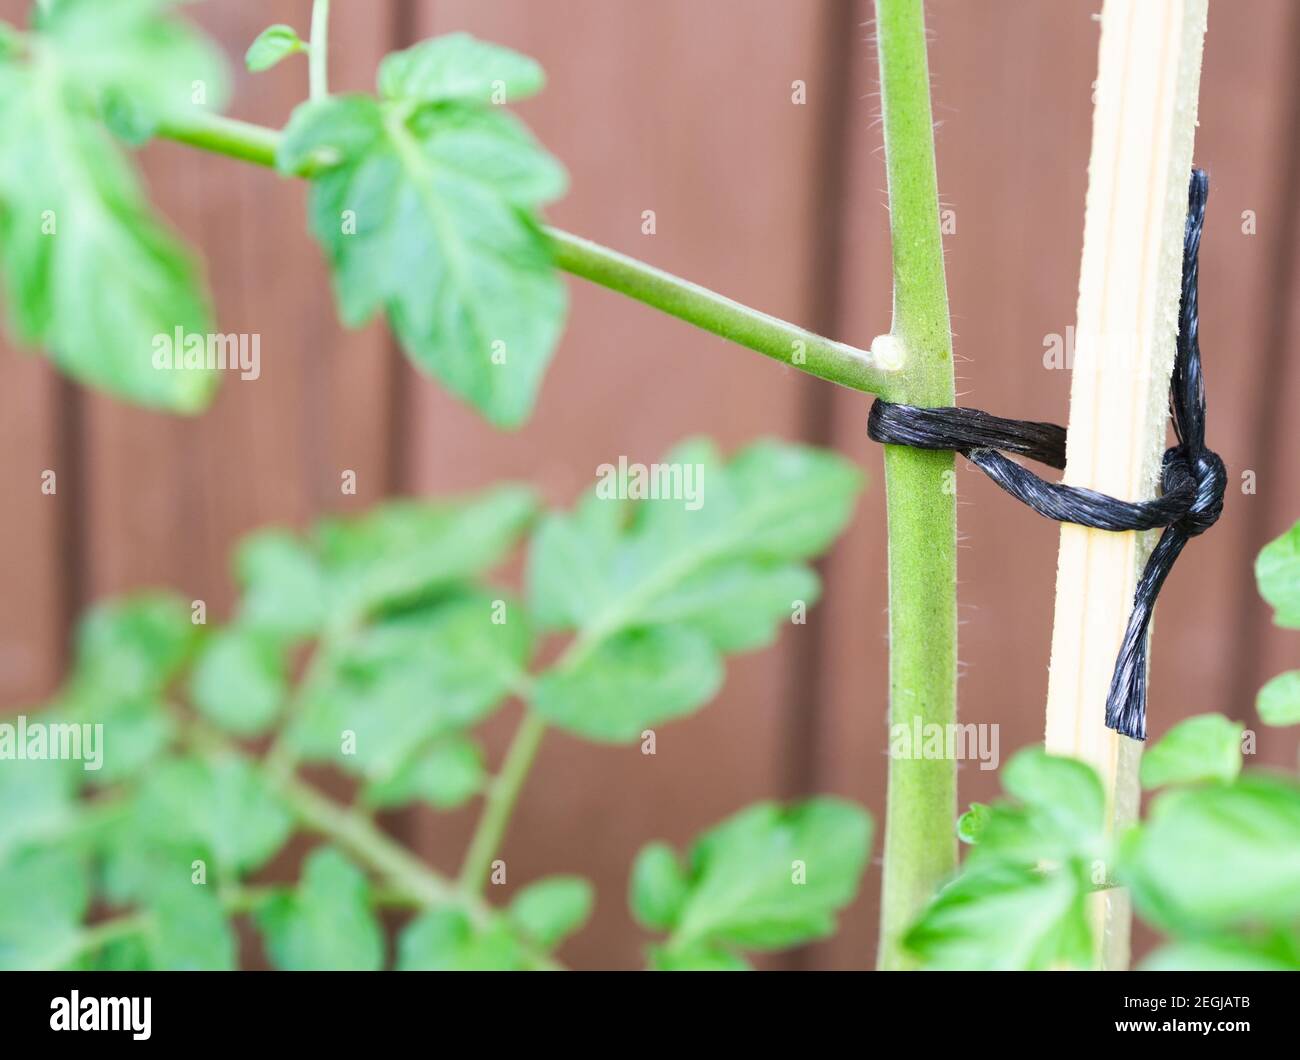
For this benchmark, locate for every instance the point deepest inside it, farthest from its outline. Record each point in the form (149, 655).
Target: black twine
(1193, 477)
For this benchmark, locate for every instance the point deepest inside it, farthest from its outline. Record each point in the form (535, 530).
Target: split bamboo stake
(1144, 123)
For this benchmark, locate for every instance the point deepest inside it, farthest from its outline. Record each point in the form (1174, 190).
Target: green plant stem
(501, 799)
(920, 841)
(319, 50)
(778, 339)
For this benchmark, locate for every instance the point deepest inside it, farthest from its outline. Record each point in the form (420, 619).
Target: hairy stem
(318, 55)
(920, 843)
(501, 799)
(782, 341)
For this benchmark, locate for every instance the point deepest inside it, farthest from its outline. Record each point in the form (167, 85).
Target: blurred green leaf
(1219, 855)
(659, 887)
(286, 593)
(410, 678)
(1279, 700)
(44, 893)
(657, 589)
(1005, 917)
(446, 940)
(971, 824)
(430, 214)
(271, 46)
(188, 931)
(327, 923)
(1226, 954)
(1207, 747)
(239, 681)
(90, 274)
(457, 68)
(636, 679)
(1277, 570)
(37, 797)
(445, 775)
(767, 878)
(134, 646)
(551, 909)
(220, 807)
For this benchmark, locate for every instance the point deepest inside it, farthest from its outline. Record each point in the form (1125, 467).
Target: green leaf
(1279, 700)
(430, 214)
(1277, 571)
(286, 593)
(446, 940)
(327, 923)
(1226, 954)
(971, 824)
(659, 887)
(133, 646)
(458, 68)
(766, 878)
(90, 274)
(1005, 917)
(636, 679)
(409, 679)
(272, 45)
(403, 552)
(38, 799)
(1219, 855)
(239, 681)
(1207, 747)
(446, 775)
(551, 909)
(44, 893)
(188, 931)
(1060, 814)
(222, 808)
(657, 589)
(135, 732)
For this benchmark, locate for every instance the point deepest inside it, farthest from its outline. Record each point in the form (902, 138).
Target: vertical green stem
(500, 803)
(318, 56)
(920, 845)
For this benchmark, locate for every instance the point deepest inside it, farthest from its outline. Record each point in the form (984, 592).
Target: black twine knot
(1193, 478)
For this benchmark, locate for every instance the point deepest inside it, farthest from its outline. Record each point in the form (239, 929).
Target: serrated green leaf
(239, 680)
(1207, 747)
(44, 893)
(1005, 917)
(1277, 571)
(649, 581)
(220, 808)
(445, 775)
(91, 275)
(430, 215)
(636, 679)
(327, 923)
(551, 909)
(766, 878)
(446, 940)
(659, 888)
(271, 46)
(1278, 702)
(409, 679)
(1219, 855)
(458, 68)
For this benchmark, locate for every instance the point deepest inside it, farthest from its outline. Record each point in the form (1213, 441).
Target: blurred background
(685, 108)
